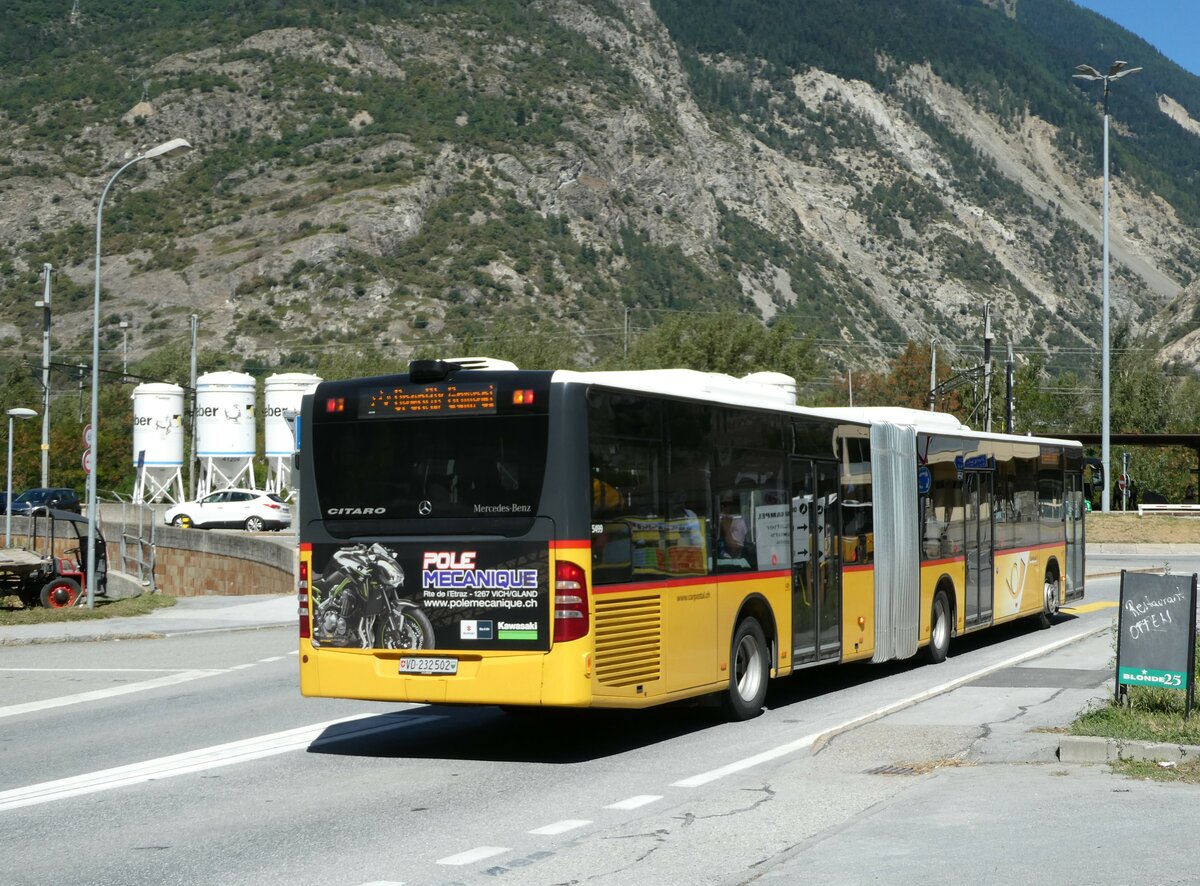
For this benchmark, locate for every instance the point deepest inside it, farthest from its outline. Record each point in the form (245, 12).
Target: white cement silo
(226, 431)
(282, 394)
(158, 442)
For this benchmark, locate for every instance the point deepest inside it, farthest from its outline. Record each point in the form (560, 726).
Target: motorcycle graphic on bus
(357, 603)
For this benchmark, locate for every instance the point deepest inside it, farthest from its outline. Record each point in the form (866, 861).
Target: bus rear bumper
(524, 678)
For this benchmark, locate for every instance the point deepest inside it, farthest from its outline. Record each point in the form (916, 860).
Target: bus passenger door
(1073, 515)
(977, 501)
(816, 569)
(829, 562)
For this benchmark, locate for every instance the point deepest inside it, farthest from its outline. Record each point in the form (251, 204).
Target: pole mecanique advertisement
(432, 595)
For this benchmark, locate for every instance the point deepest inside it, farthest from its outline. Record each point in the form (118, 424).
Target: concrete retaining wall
(201, 562)
(197, 562)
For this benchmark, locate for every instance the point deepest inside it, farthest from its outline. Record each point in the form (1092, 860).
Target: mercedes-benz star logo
(425, 508)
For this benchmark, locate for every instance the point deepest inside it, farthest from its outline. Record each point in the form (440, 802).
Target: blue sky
(1170, 26)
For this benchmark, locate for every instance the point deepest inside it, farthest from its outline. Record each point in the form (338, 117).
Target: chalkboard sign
(1156, 631)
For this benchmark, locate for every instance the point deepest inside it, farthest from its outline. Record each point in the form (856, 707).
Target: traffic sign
(87, 461)
(88, 436)
(1122, 482)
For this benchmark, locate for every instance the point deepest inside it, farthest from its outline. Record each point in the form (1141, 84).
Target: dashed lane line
(560, 827)
(635, 802)
(479, 853)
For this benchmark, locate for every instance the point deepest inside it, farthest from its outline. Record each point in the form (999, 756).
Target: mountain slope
(395, 176)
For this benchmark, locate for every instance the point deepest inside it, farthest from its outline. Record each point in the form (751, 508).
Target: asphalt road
(192, 759)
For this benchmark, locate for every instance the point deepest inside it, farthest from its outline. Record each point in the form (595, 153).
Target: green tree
(1048, 404)
(1139, 399)
(906, 382)
(528, 344)
(724, 342)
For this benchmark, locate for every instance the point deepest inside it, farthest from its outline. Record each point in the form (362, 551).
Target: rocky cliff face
(407, 183)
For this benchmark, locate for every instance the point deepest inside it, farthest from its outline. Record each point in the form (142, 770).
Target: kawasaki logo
(354, 512)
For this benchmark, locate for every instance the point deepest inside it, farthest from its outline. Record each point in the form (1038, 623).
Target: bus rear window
(476, 466)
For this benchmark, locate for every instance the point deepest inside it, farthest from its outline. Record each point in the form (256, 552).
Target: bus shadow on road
(567, 736)
(534, 735)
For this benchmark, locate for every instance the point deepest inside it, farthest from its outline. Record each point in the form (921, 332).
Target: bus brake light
(570, 601)
(335, 404)
(523, 398)
(302, 597)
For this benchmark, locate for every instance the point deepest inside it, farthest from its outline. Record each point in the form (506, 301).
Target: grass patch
(1146, 719)
(1125, 528)
(12, 612)
(1152, 715)
(1187, 771)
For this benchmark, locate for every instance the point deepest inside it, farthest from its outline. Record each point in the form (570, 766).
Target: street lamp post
(171, 148)
(22, 413)
(1088, 73)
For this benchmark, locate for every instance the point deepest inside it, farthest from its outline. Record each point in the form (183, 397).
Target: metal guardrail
(137, 550)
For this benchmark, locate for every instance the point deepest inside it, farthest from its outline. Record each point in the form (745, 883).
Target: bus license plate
(428, 665)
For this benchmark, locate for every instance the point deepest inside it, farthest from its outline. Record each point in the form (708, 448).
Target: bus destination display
(429, 399)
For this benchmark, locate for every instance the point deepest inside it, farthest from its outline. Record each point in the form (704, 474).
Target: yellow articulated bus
(471, 533)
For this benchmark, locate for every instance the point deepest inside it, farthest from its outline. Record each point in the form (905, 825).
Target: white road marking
(97, 670)
(383, 883)
(807, 741)
(194, 761)
(748, 762)
(174, 676)
(560, 827)
(634, 802)
(111, 692)
(281, 658)
(473, 855)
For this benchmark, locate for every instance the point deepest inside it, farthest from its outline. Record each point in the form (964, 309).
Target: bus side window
(750, 482)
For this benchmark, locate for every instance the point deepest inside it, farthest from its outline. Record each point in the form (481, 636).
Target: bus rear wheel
(1050, 602)
(939, 629)
(749, 669)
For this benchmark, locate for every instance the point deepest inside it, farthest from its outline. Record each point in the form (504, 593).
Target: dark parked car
(46, 497)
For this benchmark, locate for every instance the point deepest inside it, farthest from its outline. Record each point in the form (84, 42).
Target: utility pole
(987, 368)
(192, 459)
(44, 304)
(933, 375)
(1125, 481)
(1010, 409)
(124, 349)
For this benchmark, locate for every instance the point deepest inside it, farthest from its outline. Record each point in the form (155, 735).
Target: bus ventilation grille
(628, 641)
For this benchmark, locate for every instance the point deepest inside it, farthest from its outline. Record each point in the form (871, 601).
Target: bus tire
(749, 669)
(939, 628)
(1049, 611)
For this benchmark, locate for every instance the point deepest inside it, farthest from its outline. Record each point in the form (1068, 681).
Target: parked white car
(232, 509)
